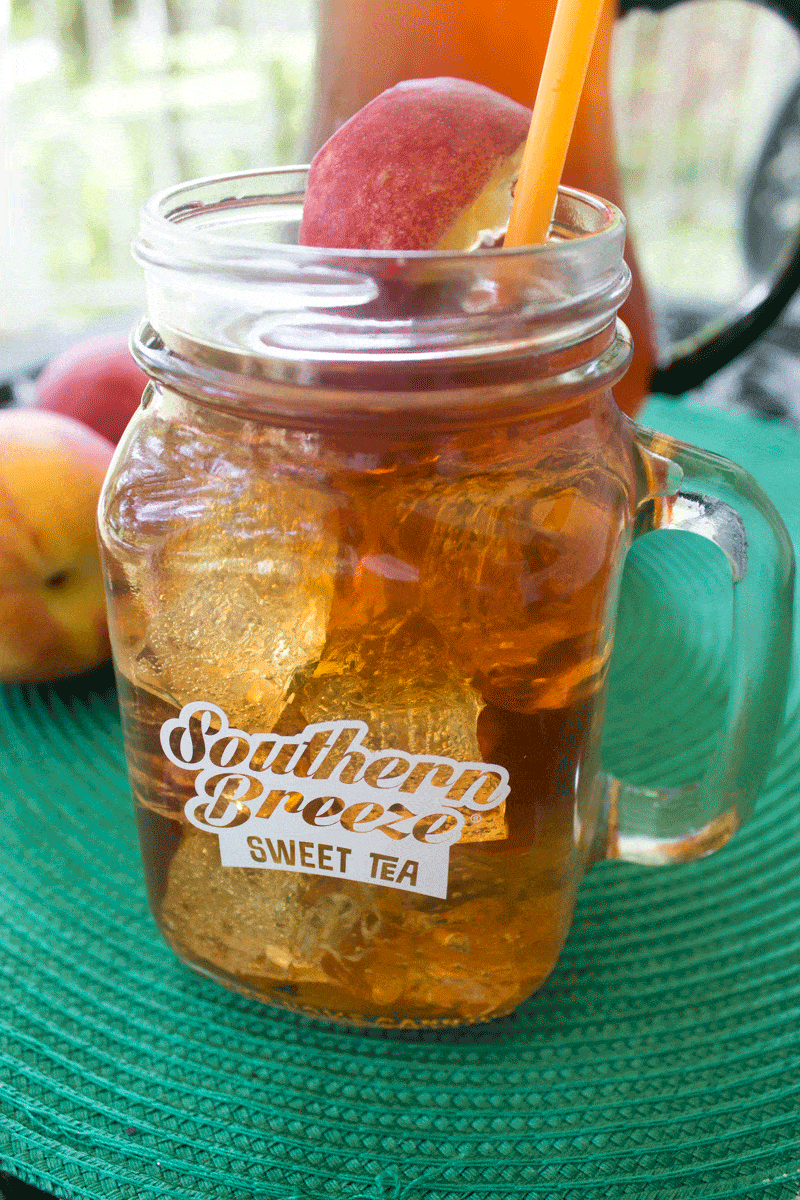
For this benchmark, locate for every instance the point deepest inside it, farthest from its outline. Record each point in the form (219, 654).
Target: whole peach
(430, 163)
(96, 381)
(52, 607)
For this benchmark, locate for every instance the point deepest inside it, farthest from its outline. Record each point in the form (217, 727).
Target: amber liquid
(453, 594)
(366, 46)
(372, 954)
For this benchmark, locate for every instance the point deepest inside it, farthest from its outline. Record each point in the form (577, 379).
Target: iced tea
(379, 677)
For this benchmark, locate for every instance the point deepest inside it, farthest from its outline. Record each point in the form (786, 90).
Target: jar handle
(694, 359)
(721, 502)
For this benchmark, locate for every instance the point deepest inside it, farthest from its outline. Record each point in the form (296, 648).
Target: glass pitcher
(363, 544)
(365, 46)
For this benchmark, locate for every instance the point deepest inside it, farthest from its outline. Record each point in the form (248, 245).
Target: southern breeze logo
(319, 802)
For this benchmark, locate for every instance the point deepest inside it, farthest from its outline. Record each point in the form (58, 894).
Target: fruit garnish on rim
(429, 164)
(445, 164)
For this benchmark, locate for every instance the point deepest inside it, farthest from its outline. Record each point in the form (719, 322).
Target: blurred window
(106, 101)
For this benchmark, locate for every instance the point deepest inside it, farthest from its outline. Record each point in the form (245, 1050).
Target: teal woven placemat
(661, 1060)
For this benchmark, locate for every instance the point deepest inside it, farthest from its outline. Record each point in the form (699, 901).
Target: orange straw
(565, 65)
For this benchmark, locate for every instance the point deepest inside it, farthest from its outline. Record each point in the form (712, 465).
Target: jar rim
(169, 233)
(229, 285)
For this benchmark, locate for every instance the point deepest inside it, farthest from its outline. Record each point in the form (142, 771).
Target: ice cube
(238, 601)
(259, 924)
(223, 551)
(514, 577)
(397, 675)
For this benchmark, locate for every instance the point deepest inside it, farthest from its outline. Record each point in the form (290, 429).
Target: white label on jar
(320, 803)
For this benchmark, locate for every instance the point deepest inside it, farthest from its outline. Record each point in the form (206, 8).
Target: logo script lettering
(321, 802)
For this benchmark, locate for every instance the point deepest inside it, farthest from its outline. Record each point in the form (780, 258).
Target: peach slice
(429, 164)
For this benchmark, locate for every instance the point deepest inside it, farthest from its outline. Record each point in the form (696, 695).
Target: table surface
(660, 1060)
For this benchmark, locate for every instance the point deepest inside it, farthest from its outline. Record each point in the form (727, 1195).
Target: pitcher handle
(694, 359)
(719, 501)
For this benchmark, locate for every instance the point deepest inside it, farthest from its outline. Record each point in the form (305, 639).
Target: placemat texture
(661, 1060)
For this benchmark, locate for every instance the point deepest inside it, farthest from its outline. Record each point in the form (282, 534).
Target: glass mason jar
(363, 544)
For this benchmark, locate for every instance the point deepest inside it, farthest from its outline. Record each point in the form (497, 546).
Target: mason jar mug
(363, 545)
